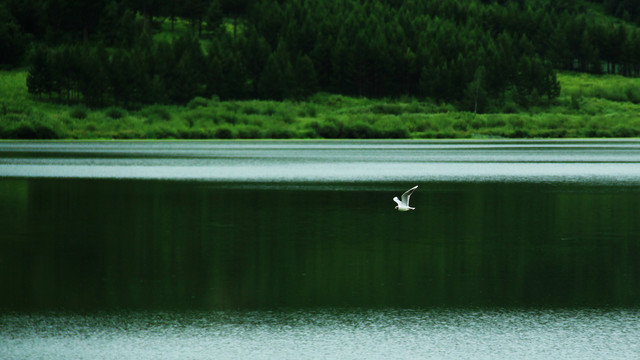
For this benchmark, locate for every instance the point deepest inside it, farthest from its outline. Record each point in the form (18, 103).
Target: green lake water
(264, 249)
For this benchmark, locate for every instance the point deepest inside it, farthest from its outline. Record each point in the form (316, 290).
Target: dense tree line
(628, 10)
(465, 51)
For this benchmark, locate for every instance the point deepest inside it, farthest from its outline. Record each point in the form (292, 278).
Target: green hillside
(303, 68)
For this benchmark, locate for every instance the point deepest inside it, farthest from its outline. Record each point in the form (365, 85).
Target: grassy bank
(589, 106)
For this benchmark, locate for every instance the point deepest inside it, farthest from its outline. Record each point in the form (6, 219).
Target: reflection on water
(179, 245)
(194, 250)
(326, 334)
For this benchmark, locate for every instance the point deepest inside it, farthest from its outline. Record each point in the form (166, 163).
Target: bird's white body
(403, 205)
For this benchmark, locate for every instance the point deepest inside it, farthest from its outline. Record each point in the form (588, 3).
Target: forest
(479, 55)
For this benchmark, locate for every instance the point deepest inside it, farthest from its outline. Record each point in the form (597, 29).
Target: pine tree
(305, 77)
(40, 77)
(12, 40)
(214, 16)
(278, 80)
(255, 52)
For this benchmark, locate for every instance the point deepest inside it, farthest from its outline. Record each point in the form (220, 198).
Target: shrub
(156, 112)
(633, 94)
(8, 118)
(223, 132)
(288, 117)
(27, 130)
(228, 117)
(249, 109)
(518, 133)
(79, 112)
(248, 132)
(279, 132)
(460, 125)
(389, 109)
(510, 107)
(390, 128)
(194, 133)
(622, 130)
(160, 132)
(575, 102)
(550, 133)
(414, 108)
(198, 116)
(477, 123)
(269, 110)
(495, 121)
(115, 112)
(311, 110)
(334, 100)
(197, 102)
(326, 129)
(358, 130)
(516, 122)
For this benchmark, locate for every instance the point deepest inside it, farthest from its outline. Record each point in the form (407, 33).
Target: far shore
(589, 106)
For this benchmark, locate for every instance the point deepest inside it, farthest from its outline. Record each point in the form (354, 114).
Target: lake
(290, 249)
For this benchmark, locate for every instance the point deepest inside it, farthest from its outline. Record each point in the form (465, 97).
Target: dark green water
(89, 244)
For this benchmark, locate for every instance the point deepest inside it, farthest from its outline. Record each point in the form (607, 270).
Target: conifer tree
(40, 77)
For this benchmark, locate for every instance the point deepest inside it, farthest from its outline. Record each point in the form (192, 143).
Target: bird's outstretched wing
(397, 201)
(407, 195)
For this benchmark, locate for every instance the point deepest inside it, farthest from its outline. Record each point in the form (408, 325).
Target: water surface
(269, 249)
(326, 334)
(613, 161)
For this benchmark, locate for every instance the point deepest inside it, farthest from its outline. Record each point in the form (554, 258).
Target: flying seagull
(403, 205)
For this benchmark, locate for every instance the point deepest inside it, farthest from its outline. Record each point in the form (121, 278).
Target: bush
(495, 121)
(156, 112)
(228, 117)
(79, 112)
(518, 133)
(197, 102)
(516, 122)
(160, 132)
(115, 112)
(550, 133)
(249, 109)
(288, 117)
(390, 128)
(633, 94)
(279, 132)
(414, 108)
(223, 132)
(326, 129)
(622, 130)
(575, 102)
(477, 123)
(389, 109)
(248, 132)
(269, 110)
(194, 133)
(198, 116)
(358, 130)
(311, 110)
(27, 130)
(460, 125)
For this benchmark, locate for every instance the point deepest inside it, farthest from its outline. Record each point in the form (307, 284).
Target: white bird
(403, 205)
